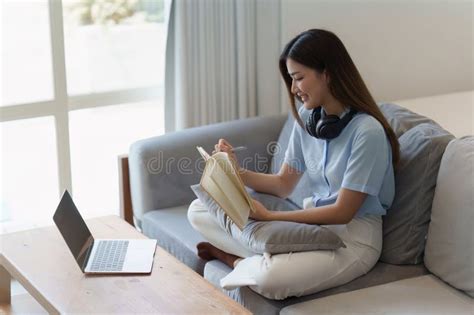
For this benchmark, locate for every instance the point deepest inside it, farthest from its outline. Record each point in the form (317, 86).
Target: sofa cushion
(257, 304)
(420, 295)
(173, 232)
(449, 249)
(406, 224)
(276, 237)
(401, 119)
(272, 236)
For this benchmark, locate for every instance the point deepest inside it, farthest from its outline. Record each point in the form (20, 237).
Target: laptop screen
(73, 229)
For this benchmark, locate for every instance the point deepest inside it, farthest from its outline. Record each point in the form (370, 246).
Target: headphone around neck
(329, 126)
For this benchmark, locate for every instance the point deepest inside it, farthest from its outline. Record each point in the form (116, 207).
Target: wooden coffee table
(41, 262)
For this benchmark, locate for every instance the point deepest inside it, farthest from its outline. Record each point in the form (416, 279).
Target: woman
(342, 140)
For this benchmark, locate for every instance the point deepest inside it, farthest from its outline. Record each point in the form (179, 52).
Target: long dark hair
(322, 50)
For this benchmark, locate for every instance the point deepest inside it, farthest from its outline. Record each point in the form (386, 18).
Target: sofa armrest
(163, 168)
(125, 198)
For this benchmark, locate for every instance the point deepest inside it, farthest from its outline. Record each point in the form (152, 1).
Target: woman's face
(308, 84)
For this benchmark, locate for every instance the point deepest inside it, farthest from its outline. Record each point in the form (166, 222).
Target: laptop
(101, 255)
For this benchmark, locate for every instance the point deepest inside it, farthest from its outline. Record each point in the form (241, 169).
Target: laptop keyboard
(110, 255)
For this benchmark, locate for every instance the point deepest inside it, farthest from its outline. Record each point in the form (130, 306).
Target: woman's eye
(298, 79)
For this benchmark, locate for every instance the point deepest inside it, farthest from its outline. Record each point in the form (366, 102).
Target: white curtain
(221, 61)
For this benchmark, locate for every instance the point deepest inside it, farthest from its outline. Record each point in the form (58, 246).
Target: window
(20, 68)
(29, 171)
(110, 45)
(81, 81)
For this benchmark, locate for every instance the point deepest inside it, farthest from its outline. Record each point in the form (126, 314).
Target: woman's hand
(224, 146)
(261, 213)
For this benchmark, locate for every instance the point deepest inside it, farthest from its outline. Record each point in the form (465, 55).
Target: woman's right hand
(224, 146)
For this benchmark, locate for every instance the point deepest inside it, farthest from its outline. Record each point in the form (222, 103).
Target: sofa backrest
(449, 252)
(163, 168)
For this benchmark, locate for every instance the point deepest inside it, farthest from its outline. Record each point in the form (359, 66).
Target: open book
(222, 182)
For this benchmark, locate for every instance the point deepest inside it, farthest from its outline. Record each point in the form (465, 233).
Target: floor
(22, 302)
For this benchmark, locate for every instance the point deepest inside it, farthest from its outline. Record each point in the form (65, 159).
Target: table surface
(40, 260)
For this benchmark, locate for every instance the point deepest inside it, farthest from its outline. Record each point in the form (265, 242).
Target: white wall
(454, 111)
(403, 49)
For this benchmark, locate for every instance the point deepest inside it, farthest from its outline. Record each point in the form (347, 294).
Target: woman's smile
(303, 97)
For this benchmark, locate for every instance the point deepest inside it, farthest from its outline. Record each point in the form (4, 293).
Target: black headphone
(328, 127)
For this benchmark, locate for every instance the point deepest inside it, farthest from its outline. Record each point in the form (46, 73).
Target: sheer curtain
(221, 61)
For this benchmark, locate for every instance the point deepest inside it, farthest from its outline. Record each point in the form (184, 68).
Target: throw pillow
(272, 236)
(449, 252)
(401, 119)
(277, 237)
(406, 224)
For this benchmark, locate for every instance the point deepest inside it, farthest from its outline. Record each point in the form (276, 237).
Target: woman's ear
(327, 79)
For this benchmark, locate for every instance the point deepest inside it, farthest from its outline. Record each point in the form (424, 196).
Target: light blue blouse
(359, 159)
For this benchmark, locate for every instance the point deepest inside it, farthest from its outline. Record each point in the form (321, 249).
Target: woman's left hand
(261, 213)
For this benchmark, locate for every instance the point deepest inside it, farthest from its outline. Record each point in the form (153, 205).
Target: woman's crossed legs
(282, 275)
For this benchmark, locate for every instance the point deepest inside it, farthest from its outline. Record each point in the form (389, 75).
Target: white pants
(295, 274)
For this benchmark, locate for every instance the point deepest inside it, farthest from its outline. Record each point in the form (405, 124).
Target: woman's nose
(294, 89)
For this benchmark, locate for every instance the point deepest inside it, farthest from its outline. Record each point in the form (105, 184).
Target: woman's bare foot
(204, 251)
(207, 251)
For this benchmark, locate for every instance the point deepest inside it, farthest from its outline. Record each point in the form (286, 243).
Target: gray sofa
(427, 262)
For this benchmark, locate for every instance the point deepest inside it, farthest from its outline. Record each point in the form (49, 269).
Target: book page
(210, 186)
(223, 180)
(225, 162)
(219, 185)
(225, 204)
(203, 153)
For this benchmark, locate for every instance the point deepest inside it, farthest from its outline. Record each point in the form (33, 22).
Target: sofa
(426, 265)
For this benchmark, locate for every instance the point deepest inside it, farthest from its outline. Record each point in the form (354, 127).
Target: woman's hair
(322, 50)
